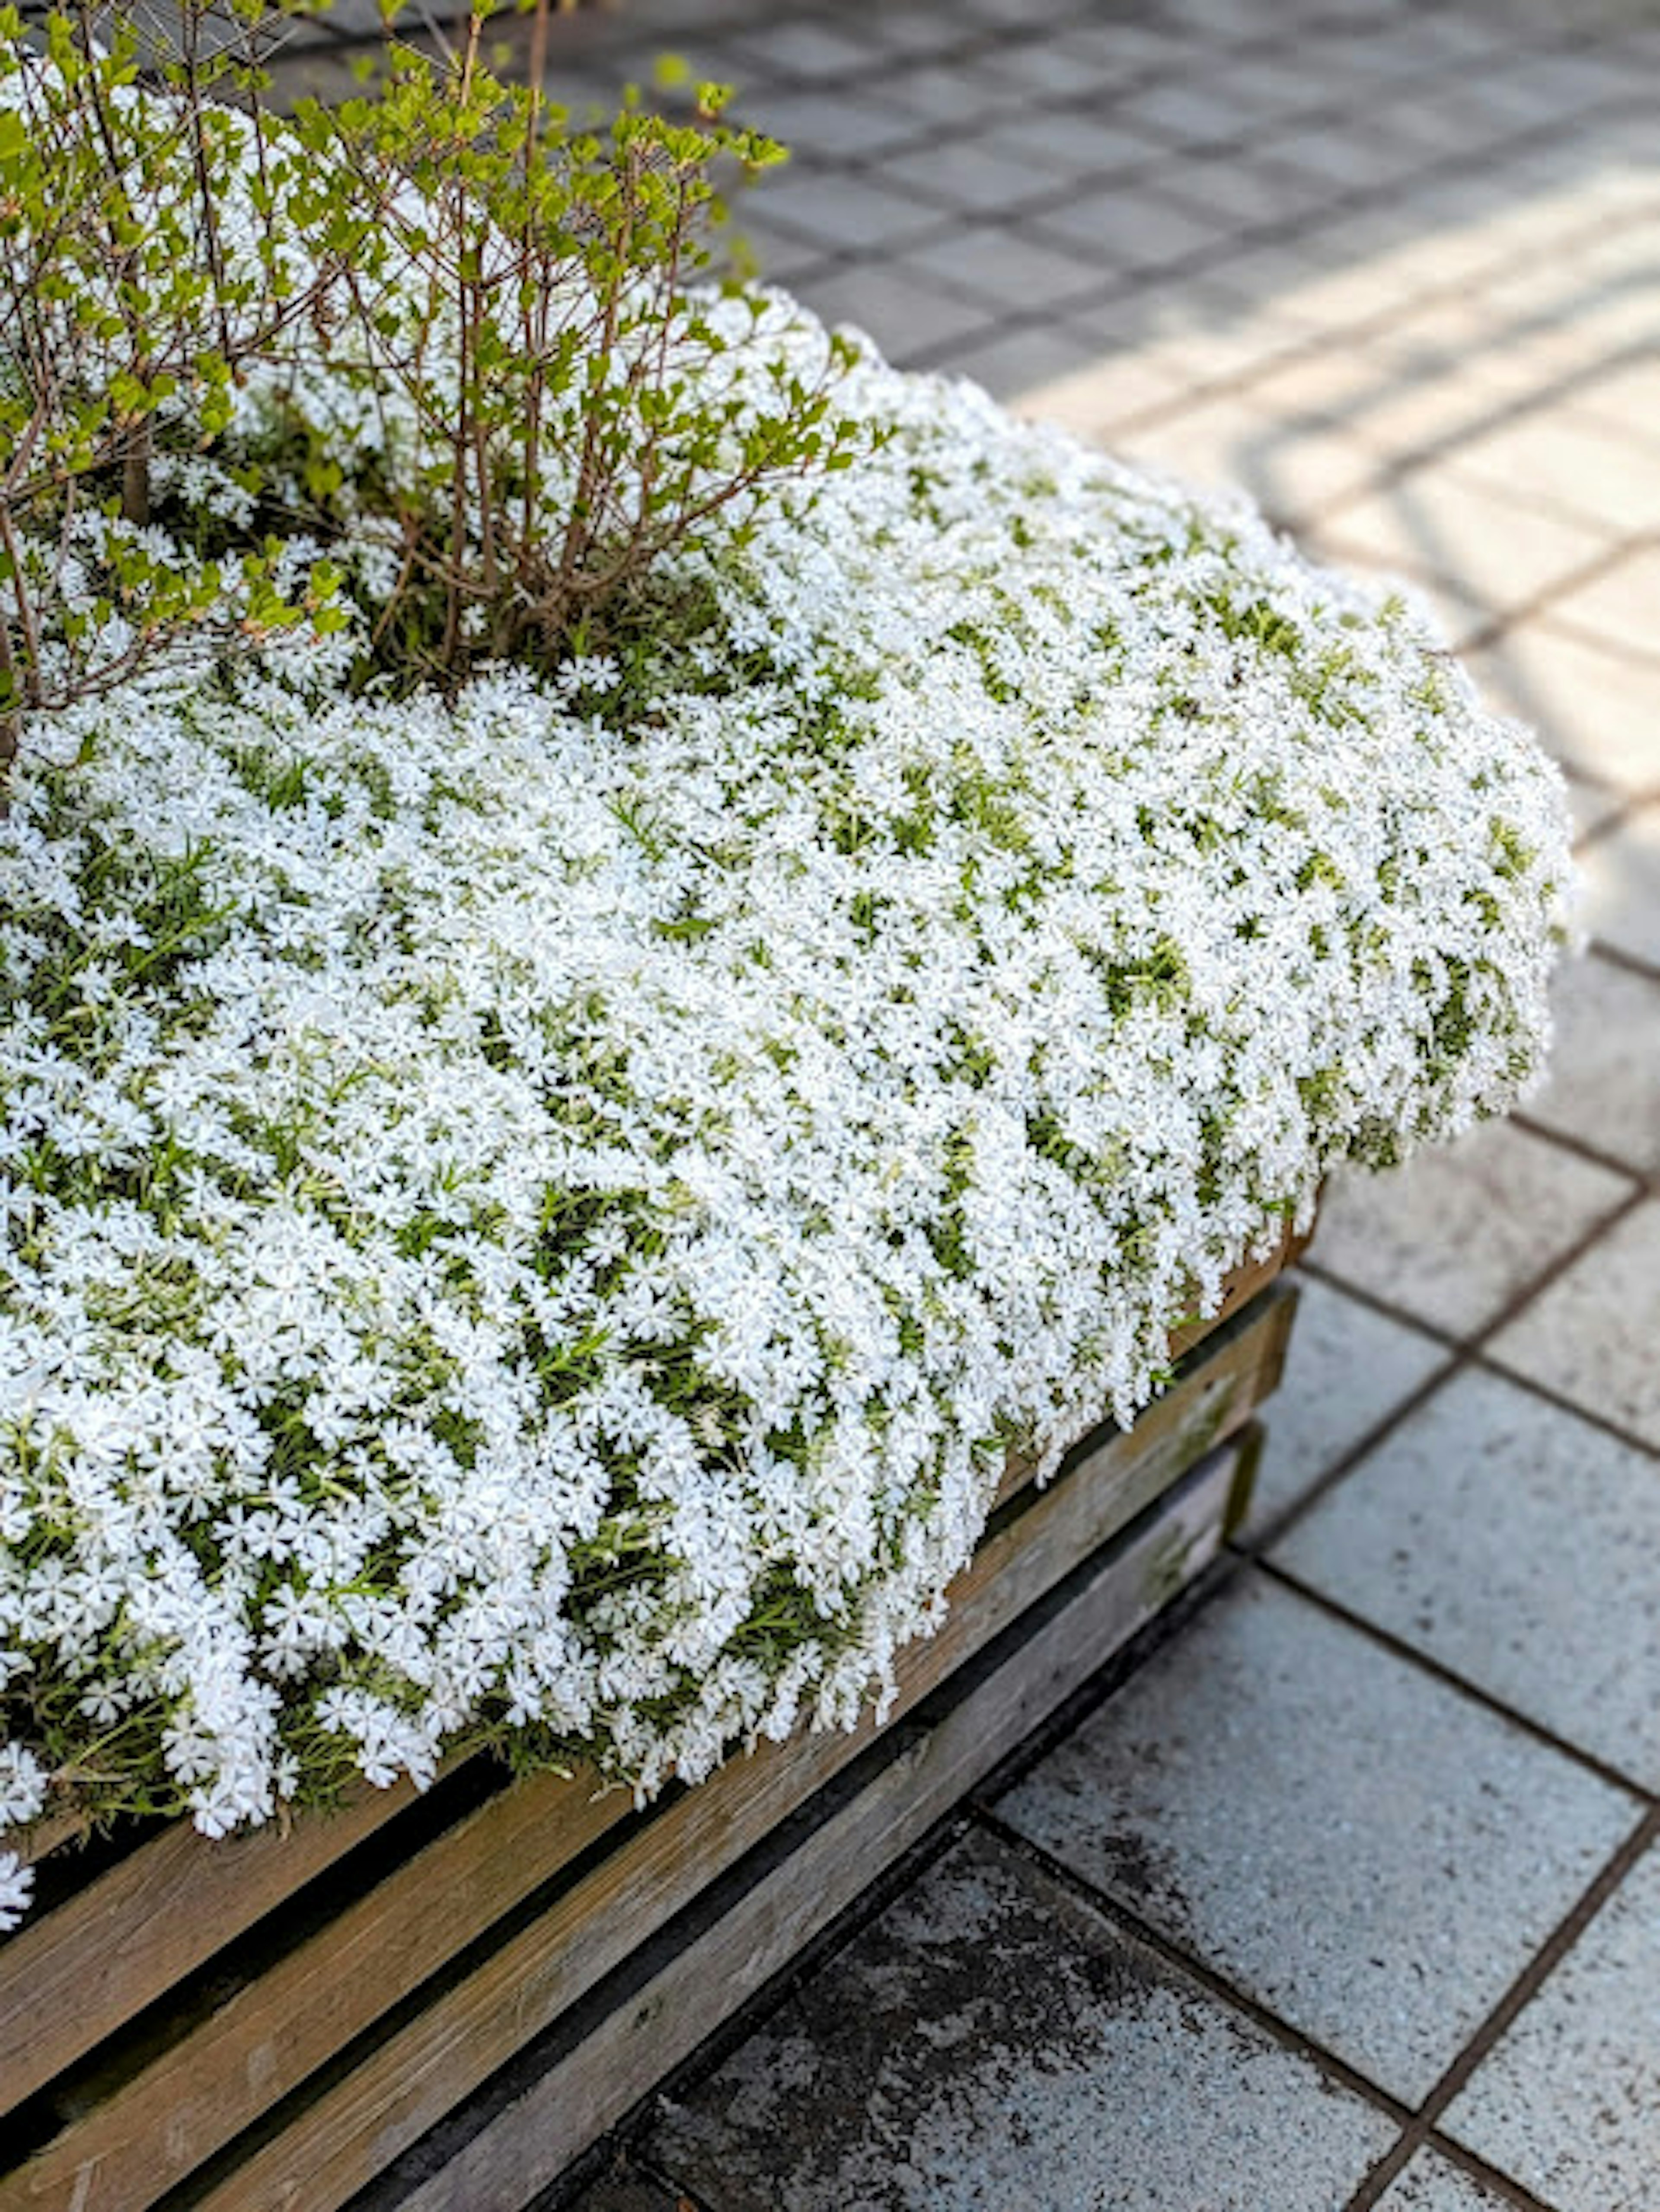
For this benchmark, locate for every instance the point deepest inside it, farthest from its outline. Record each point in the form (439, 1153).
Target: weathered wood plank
(75, 1974)
(410, 2081)
(138, 2140)
(771, 1913)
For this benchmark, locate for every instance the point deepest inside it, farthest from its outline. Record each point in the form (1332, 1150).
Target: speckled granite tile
(1348, 1367)
(992, 2044)
(1454, 1236)
(1433, 2184)
(1591, 1334)
(1360, 1848)
(1516, 1544)
(1567, 2103)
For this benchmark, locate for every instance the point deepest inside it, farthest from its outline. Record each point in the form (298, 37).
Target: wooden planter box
(438, 2001)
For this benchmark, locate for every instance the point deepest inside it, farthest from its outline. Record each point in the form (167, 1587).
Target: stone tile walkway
(1349, 1896)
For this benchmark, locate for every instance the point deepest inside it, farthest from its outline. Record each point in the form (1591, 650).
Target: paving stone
(1074, 143)
(901, 313)
(1131, 227)
(1351, 1842)
(1595, 709)
(1516, 1544)
(1566, 2102)
(1433, 2184)
(954, 95)
(1253, 194)
(1592, 804)
(814, 52)
(842, 213)
(1622, 607)
(1110, 391)
(1348, 1368)
(1590, 1334)
(625, 2192)
(992, 2044)
(1622, 885)
(1291, 469)
(1453, 1237)
(1594, 475)
(1496, 550)
(967, 175)
(826, 126)
(1007, 269)
(1604, 1085)
(1626, 400)
(1400, 409)
(1021, 366)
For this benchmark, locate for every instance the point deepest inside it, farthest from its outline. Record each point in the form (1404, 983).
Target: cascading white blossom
(546, 1212)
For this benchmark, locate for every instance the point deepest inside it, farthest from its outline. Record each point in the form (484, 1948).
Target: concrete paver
(1590, 1334)
(1622, 885)
(1433, 2184)
(1349, 1367)
(1595, 709)
(1565, 2105)
(1496, 1533)
(1453, 1237)
(1604, 1087)
(1498, 551)
(1346, 1838)
(1622, 607)
(994, 2044)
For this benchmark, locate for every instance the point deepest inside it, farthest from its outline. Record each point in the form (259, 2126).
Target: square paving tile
(1452, 1237)
(1133, 227)
(968, 175)
(1349, 1366)
(1597, 476)
(1433, 2184)
(1291, 469)
(1591, 1334)
(1516, 1544)
(1499, 551)
(1019, 365)
(1353, 1843)
(901, 313)
(1605, 1072)
(839, 214)
(1595, 710)
(1592, 805)
(826, 126)
(1622, 885)
(1626, 400)
(992, 2044)
(1566, 2103)
(625, 2192)
(1009, 271)
(1621, 608)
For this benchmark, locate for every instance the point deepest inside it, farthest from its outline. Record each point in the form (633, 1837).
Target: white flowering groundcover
(536, 1218)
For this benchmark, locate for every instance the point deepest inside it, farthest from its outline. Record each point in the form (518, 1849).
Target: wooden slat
(76, 1973)
(136, 2141)
(772, 1915)
(334, 2147)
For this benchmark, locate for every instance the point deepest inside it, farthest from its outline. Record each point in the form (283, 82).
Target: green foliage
(509, 291)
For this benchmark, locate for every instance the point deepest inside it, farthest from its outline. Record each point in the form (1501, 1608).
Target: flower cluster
(537, 1217)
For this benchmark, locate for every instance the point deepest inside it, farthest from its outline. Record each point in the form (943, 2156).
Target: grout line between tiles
(1521, 1992)
(1401, 1647)
(1174, 1954)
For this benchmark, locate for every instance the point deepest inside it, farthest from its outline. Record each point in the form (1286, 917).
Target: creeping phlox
(536, 1218)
